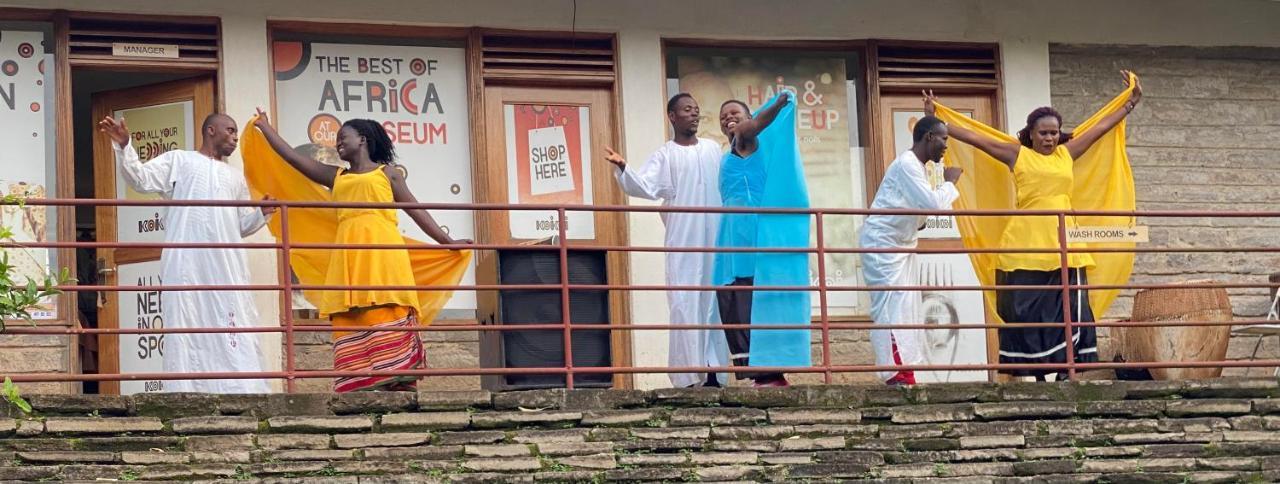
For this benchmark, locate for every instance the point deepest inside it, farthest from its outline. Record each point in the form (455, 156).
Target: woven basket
(1178, 343)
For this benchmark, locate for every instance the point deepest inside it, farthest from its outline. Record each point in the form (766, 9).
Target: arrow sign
(1105, 233)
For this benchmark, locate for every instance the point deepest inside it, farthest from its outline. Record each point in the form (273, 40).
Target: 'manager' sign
(164, 51)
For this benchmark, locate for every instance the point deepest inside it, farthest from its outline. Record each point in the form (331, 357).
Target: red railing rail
(289, 327)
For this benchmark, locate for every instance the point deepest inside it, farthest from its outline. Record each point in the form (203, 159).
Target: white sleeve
(154, 176)
(651, 181)
(251, 218)
(919, 194)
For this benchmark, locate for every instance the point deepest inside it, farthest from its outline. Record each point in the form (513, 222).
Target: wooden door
(160, 117)
(520, 122)
(898, 114)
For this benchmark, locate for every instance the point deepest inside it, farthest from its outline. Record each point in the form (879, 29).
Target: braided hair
(381, 150)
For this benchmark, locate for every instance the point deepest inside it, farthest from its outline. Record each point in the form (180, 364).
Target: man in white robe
(905, 186)
(201, 175)
(685, 172)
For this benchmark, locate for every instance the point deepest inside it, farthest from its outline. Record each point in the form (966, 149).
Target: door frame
(611, 228)
(967, 101)
(618, 264)
(64, 186)
(200, 90)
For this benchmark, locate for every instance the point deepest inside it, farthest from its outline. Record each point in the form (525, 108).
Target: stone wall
(1207, 431)
(36, 353)
(1203, 139)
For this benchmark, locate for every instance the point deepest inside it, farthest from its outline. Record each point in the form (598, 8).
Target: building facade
(470, 91)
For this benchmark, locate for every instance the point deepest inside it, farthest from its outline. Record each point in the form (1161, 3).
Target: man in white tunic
(905, 186)
(201, 175)
(685, 172)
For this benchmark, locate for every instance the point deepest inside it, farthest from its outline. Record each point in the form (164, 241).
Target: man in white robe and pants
(905, 186)
(685, 172)
(201, 175)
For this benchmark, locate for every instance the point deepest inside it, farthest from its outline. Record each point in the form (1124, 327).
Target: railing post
(1066, 296)
(564, 297)
(822, 299)
(286, 311)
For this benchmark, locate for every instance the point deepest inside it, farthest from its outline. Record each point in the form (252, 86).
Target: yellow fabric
(366, 267)
(1102, 181)
(268, 174)
(1044, 182)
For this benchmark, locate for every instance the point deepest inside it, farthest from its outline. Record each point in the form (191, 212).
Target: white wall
(1023, 29)
(244, 40)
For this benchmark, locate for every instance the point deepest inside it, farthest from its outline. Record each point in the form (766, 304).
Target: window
(830, 92)
(27, 131)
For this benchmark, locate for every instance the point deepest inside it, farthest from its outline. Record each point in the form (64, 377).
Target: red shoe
(902, 378)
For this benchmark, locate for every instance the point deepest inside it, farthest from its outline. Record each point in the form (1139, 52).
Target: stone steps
(1211, 431)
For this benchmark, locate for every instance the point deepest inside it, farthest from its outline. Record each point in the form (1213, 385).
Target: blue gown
(772, 177)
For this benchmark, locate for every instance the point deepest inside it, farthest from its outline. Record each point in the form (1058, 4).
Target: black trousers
(735, 308)
(1044, 345)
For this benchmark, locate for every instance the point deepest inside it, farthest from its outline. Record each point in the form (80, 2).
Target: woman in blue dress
(763, 169)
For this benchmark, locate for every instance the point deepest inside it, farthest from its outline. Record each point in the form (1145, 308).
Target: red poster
(548, 148)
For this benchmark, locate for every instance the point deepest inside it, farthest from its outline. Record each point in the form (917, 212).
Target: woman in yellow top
(1042, 168)
(371, 177)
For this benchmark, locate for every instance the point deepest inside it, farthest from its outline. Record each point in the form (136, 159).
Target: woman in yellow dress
(1042, 167)
(372, 176)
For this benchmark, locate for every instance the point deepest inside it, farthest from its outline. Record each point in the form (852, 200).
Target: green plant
(1079, 454)
(14, 397)
(940, 469)
(130, 475)
(551, 464)
(16, 298)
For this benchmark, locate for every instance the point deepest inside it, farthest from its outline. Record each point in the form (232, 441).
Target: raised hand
(930, 102)
(1136, 96)
(263, 122)
(613, 157)
(787, 97)
(115, 129)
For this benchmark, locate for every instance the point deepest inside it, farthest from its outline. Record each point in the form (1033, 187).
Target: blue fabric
(771, 177)
(741, 185)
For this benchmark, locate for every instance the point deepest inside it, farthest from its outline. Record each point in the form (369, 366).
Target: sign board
(25, 107)
(942, 308)
(153, 130)
(1136, 234)
(141, 353)
(419, 96)
(160, 51)
(546, 149)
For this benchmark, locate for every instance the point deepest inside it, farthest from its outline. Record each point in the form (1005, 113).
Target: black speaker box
(545, 348)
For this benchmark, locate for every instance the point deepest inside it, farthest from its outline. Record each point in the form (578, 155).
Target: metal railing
(288, 327)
